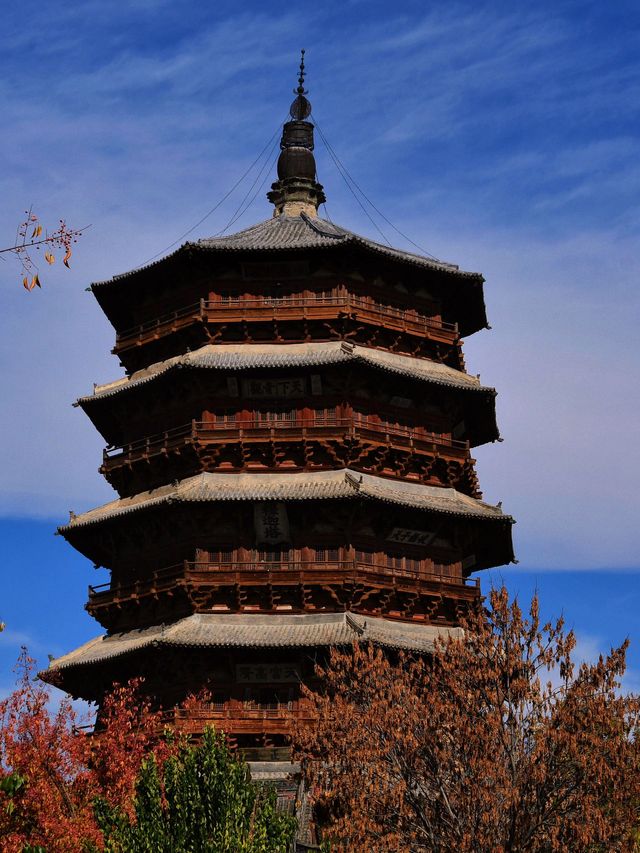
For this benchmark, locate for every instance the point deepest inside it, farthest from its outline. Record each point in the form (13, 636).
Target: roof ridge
(338, 232)
(202, 630)
(336, 483)
(291, 356)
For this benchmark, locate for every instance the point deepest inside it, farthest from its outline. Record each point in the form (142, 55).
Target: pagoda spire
(297, 191)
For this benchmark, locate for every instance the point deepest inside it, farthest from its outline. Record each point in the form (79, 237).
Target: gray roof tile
(211, 630)
(228, 357)
(314, 485)
(298, 232)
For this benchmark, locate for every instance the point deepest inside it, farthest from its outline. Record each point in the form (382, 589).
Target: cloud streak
(502, 140)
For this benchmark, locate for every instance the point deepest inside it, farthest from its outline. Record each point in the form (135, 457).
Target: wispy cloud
(499, 138)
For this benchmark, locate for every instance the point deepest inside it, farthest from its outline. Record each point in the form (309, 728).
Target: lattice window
(222, 419)
(366, 557)
(222, 556)
(273, 555)
(325, 295)
(263, 418)
(394, 561)
(326, 415)
(217, 702)
(327, 555)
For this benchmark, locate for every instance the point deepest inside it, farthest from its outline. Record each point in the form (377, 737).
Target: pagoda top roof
(211, 630)
(233, 357)
(342, 483)
(294, 233)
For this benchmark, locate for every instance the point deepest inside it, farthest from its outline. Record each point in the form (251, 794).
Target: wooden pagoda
(291, 446)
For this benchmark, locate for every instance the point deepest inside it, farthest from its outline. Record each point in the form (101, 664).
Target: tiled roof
(211, 630)
(235, 357)
(292, 233)
(305, 232)
(314, 485)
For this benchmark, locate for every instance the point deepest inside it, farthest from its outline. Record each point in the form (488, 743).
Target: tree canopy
(497, 742)
(129, 788)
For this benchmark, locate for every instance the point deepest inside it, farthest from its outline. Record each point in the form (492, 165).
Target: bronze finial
(301, 90)
(300, 108)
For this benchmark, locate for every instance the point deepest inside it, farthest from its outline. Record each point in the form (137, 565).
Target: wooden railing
(237, 720)
(271, 430)
(285, 308)
(191, 573)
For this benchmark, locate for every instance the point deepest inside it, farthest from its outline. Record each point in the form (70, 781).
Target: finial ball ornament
(300, 108)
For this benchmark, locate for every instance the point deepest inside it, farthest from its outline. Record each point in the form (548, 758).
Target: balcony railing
(285, 308)
(237, 720)
(234, 429)
(317, 572)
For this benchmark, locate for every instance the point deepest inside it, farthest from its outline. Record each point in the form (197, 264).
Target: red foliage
(63, 768)
(127, 731)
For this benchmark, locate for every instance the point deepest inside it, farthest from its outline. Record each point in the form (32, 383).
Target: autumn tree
(134, 786)
(51, 772)
(496, 742)
(38, 747)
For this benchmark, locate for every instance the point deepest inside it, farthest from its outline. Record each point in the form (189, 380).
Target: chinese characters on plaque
(259, 673)
(271, 522)
(411, 537)
(261, 389)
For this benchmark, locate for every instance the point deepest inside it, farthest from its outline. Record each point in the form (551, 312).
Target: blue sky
(500, 136)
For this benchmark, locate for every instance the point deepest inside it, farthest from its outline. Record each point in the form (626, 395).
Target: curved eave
(283, 236)
(244, 357)
(291, 234)
(207, 631)
(317, 485)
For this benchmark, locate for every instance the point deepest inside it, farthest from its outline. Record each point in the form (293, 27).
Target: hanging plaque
(267, 673)
(271, 522)
(262, 389)
(411, 537)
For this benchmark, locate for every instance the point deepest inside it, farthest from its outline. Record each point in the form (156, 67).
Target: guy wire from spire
(216, 206)
(242, 208)
(339, 166)
(341, 172)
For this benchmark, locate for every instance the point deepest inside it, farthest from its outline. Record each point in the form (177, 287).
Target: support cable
(345, 177)
(216, 206)
(242, 207)
(337, 160)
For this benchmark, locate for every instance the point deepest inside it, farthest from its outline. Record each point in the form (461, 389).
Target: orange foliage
(64, 770)
(31, 236)
(497, 742)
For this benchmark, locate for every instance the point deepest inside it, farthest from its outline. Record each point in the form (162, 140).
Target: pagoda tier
(292, 280)
(291, 445)
(252, 666)
(386, 414)
(349, 541)
(214, 379)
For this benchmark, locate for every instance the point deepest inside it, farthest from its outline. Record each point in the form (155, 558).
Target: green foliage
(11, 784)
(201, 800)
